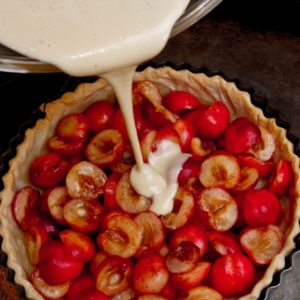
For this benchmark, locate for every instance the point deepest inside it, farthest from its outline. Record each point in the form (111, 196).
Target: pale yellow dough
(208, 89)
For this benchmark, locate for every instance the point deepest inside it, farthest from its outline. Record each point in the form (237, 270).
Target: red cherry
(110, 201)
(178, 101)
(56, 265)
(25, 206)
(105, 148)
(232, 274)
(143, 126)
(190, 170)
(48, 170)
(73, 127)
(281, 180)
(264, 168)
(157, 119)
(99, 115)
(79, 245)
(150, 274)
(193, 115)
(223, 243)
(191, 279)
(46, 290)
(79, 284)
(114, 275)
(261, 208)
(190, 233)
(83, 214)
(213, 121)
(186, 132)
(262, 244)
(241, 136)
(65, 148)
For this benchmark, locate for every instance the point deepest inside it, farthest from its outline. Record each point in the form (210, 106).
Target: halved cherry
(105, 148)
(56, 265)
(218, 208)
(191, 233)
(128, 294)
(224, 243)
(73, 127)
(25, 206)
(150, 274)
(220, 170)
(146, 144)
(156, 118)
(262, 244)
(148, 91)
(79, 245)
(213, 121)
(185, 132)
(56, 198)
(201, 148)
(126, 162)
(179, 101)
(232, 274)
(152, 231)
(85, 179)
(248, 179)
(128, 199)
(122, 237)
(48, 170)
(97, 260)
(183, 209)
(191, 279)
(79, 284)
(99, 115)
(266, 148)
(241, 136)
(83, 214)
(65, 148)
(281, 180)
(201, 292)
(113, 214)
(114, 275)
(182, 258)
(34, 238)
(261, 208)
(110, 202)
(264, 168)
(189, 172)
(48, 291)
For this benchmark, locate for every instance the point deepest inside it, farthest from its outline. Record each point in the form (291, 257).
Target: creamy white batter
(108, 38)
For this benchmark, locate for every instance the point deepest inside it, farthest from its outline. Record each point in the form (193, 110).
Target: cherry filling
(89, 235)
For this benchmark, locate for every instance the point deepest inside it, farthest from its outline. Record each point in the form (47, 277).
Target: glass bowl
(11, 61)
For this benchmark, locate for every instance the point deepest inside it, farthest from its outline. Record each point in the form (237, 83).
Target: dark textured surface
(250, 41)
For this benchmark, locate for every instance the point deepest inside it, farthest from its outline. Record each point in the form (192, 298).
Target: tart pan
(269, 112)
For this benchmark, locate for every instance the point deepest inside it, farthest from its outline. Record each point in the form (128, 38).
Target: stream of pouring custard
(107, 38)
